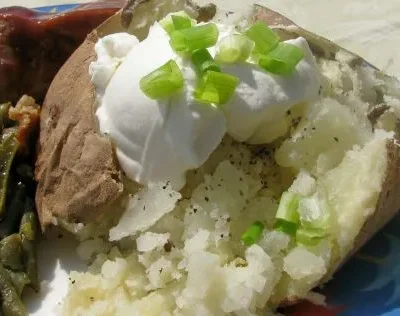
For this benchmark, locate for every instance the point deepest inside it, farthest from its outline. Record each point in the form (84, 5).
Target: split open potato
(344, 147)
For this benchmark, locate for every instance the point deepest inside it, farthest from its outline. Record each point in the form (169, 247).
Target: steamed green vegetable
(19, 280)
(18, 220)
(11, 302)
(4, 115)
(8, 149)
(11, 252)
(15, 209)
(28, 232)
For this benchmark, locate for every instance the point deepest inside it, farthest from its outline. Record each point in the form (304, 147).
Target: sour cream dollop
(160, 140)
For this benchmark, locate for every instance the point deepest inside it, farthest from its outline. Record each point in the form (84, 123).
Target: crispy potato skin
(271, 17)
(76, 169)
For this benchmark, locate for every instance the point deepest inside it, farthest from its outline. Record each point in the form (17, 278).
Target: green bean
(19, 280)
(11, 302)
(25, 172)
(8, 149)
(29, 232)
(15, 209)
(4, 108)
(11, 252)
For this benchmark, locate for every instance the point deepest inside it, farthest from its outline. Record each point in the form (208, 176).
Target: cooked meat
(34, 45)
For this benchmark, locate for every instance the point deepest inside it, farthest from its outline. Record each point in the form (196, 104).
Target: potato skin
(76, 168)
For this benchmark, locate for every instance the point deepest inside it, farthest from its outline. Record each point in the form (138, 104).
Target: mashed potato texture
(190, 260)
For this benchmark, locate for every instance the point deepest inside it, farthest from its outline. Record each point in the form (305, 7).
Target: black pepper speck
(168, 246)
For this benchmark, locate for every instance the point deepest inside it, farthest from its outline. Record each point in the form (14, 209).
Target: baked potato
(340, 152)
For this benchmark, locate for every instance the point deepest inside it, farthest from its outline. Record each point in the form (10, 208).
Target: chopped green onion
(253, 233)
(162, 82)
(216, 87)
(203, 61)
(181, 22)
(282, 60)
(285, 226)
(188, 40)
(177, 21)
(264, 38)
(310, 236)
(314, 212)
(287, 217)
(234, 48)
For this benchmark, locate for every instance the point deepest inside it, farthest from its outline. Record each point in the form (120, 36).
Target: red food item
(306, 308)
(34, 45)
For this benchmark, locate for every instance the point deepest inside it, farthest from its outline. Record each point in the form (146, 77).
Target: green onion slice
(285, 226)
(282, 60)
(314, 212)
(216, 87)
(177, 21)
(203, 61)
(162, 82)
(264, 38)
(253, 233)
(181, 22)
(188, 40)
(234, 48)
(310, 236)
(287, 217)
